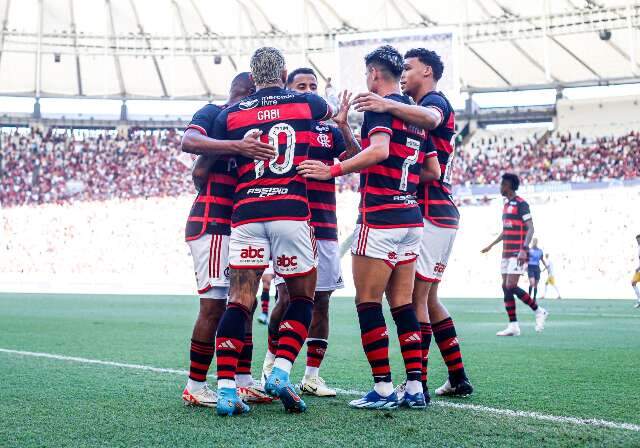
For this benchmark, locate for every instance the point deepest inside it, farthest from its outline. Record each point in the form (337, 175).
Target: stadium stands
(98, 165)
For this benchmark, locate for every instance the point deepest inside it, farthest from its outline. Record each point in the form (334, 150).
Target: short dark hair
(388, 59)
(427, 57)
(300, 71)
(513, 179)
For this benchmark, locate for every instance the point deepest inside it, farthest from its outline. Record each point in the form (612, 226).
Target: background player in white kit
(551, 278)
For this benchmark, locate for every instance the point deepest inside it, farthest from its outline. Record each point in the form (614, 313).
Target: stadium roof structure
(190, 49)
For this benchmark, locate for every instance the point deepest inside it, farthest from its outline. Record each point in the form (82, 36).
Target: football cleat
(373, 400)
(400, 390)
(637, 305)
(229, 403)
(314, 385)
(202, 397)
(267, 366)
(462, 389)
(513, 329)
(254, 394)
(262, 318)
(541, 317)
(414, 401)
(278, 385)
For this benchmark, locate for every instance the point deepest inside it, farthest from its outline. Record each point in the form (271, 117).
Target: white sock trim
(283, 364)
(226, 384)
(311, 371)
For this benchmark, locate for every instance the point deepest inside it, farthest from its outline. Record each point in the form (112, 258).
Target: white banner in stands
(352, 48)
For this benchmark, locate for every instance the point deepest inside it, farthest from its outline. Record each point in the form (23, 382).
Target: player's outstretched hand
(486, 249)
(522, 256)
(370, 102)
(344, 104)
(251, 147)
(314, 169)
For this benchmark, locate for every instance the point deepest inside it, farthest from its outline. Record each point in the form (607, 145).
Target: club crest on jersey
(323, 140)
(248, 104)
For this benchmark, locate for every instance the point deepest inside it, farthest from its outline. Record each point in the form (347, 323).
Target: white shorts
(511, 266)
(291, 244)
(211, 264)
(329, 269)
(269, 269)
(435, 249)
(394, 246)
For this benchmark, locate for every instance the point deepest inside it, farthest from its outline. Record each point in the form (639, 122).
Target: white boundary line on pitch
(446, 404)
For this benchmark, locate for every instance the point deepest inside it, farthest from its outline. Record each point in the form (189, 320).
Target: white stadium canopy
(190, 49)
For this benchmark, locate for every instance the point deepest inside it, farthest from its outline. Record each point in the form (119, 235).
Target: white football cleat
(513, 329)
(201, 397)
(541, 317)
(267, 367)
(637, 305)
(253, 394)
(463, 389)
(314, 385)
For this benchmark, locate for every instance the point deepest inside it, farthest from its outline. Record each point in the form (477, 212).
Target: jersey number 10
(274, 135)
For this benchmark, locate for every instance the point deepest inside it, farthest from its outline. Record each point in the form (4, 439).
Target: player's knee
(321, 305)
(212, 308)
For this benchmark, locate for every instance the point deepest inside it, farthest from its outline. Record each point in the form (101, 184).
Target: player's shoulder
(520, 200)
(209, 110)
(399, 98)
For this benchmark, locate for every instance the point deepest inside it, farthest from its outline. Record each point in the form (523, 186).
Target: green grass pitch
(585, 365)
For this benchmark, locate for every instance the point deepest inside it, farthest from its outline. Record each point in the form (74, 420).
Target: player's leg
(329, 279)
(634, 284)
(267, 278)
(536, 280)
(371, 276)
(512, 282)
(272, 329)
(248, 390)
(446, 337)
(295, 259)
(399, 294)
(513, 329)
(420, 298)
(249, 252)
(209, 254)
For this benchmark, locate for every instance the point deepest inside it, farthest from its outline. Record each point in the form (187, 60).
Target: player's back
(388, 189)
(269, 191)
(535, 255)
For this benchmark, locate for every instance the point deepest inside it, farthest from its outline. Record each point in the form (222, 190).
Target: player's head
(509, 185)
(303, 80)
(534, 242)
(241, 86)
(421, 67)
(384, 67)
(268, 67)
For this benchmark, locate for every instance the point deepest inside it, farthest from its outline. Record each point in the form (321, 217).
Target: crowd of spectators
(559, 157)
(60, 166)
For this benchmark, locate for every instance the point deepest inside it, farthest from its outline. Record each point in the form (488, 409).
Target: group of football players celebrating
(265, 175)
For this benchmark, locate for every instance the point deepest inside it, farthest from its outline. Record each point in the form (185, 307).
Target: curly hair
(513, 179)
(427, 57)
(267, 64)
(386, 58)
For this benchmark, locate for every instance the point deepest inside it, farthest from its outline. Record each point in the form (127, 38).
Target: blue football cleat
(229, 403)
(414, 401)
(373, 400)
(278, 385)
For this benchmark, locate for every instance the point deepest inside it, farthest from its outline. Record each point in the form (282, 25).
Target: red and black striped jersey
(273, 190)
(388, 189)
(326, 144)
(514, 228)
(211, 210)
(435, 196)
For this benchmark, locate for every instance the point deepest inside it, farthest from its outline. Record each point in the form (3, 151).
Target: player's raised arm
(424, 117)
(375, 153)
(490, 246)
(352, 147)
